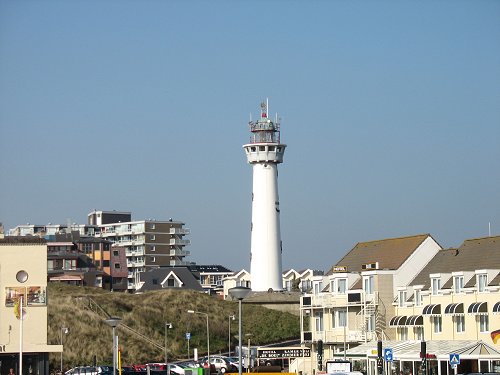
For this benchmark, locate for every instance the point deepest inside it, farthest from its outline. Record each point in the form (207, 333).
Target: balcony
(337, 335)
(179, 242)
(134, 253)
(137, 263)
(179, 253)
(179, 231)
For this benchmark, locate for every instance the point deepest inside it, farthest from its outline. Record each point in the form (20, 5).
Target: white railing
(179, 242)
(179, 231)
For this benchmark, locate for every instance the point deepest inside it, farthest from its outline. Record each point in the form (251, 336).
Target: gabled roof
(153, 279)
(390, 253)
(472, 255)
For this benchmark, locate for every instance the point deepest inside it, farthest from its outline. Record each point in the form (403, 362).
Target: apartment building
(353, 302)
(23, 262)
(148, 244)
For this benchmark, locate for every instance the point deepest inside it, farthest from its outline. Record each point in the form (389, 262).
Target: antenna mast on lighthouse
(264, 152)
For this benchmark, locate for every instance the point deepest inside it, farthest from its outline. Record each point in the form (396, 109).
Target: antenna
(489, 229)
(267, 107)
(250, 116)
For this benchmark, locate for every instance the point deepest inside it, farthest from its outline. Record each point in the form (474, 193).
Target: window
(153, 259)
(288, 285)
(484, 323)
(436, 286)
(370, 326)
(418, 297)
(152, 237)
(342, 286)
(460, 324)
(171, 282)
(153, 248)
(117, 266)
(318, 320)
(332, 285)
(419, 333)
(368, 284)
(402, 299)
(317, 286)
(403, 333)
(458, 283)
(105, 263)
(115, 253)
(152, 226)
(482, 282)
(437, 324)
(339, 318)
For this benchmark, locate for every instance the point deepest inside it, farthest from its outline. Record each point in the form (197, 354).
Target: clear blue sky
(390, 110)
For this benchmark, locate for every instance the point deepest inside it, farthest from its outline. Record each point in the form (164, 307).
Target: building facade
(23, 327)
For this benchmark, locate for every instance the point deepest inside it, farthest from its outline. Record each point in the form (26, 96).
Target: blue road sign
(388, 354)
(188, 335)
(454, 359)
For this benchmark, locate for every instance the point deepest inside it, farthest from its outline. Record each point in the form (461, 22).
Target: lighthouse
(264, 152)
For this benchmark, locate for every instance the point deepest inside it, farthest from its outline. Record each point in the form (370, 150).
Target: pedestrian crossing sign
(454, 359)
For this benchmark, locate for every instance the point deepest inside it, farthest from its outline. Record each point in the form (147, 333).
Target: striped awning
(415, 320)
(454, 309)
(432, 310)
(478, 308)
(398, 321)
(496, 308)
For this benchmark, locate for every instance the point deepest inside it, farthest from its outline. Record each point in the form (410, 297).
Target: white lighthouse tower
(264, 153)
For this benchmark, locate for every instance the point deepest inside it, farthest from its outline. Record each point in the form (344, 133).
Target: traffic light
(423, 355)
(320, 347)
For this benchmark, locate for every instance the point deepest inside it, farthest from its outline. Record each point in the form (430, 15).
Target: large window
(484, 325)
(482, 282)
(437, 324)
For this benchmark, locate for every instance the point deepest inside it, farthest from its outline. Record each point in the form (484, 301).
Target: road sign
(454, 359)
(188, 335)
(283, 352)
(388, 354)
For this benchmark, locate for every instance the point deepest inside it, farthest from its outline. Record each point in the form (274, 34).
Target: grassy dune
(146, 314)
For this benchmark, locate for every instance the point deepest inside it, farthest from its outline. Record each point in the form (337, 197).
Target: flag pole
(21, 336)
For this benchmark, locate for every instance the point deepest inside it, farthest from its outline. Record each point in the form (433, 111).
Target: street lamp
(239, 292)
(64, 331)
(208, 334)
(231, 317)
(167, 327)
(114, 322)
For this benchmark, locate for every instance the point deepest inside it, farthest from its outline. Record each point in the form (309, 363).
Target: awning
(496, 308)
(432, 310)
(454, 309)
(398, 321)
(479, 308)
(415, 320)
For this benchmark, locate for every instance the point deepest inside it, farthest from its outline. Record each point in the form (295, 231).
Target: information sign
(291, 352)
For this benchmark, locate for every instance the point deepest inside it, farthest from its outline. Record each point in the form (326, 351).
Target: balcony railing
(180, 231)
(137, 263)
(179, 242)
(337, 335)
(179, 253)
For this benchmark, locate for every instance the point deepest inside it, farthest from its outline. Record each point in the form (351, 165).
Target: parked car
(82, 370)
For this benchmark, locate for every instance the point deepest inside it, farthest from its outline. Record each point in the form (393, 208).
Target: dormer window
(342, 286)
(368, 284)
(482, 282)
(436, 285)
(418, 297)
(402, 298)
(458, 284)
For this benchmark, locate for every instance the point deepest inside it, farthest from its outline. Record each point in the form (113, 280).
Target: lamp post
(114, 322)
(231, 317)
(167, 327)
(239, 292)
(64, 330)
(208, 333)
